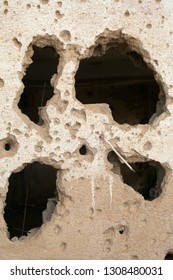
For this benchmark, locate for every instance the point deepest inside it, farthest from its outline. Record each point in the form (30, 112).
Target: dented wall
(100, 214)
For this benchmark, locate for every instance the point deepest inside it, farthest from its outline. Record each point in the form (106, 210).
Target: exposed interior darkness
(83, 150)
(118, 76)
(31, 198)
(147, 178)
(7, 146)
(38, 89)
(169, 256)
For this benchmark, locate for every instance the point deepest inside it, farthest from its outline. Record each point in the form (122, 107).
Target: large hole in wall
(31, 198)
(117, 75)
(169, 256)
(146, 178)
(38, 89)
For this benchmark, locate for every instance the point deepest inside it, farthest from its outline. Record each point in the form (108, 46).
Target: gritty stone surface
(98, 216)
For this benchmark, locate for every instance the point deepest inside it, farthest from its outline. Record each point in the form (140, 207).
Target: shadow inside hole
(119, 77)
(38, 89)
(169, 256)
(83, 150)
(147, 178)
(7, 147)
(31, 198)
(122, 229)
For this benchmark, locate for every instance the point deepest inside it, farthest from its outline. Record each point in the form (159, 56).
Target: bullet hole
(7, 146)
(147, 146)
(169, 256)
(148, 25)
(31, 199)
(147, 178)
(83, 150)
(65, 35)
(44, 1)
(1, 83)
(63, 246)
(59, 4)
(127, 14)
(38, 89)
(122, 229)
(17, 43)
(134, 257)
(58, 15)
(118, 75)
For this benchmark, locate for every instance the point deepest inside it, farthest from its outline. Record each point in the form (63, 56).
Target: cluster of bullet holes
(118, 76)
(146, 177)
(31, 199)
(38, 89)
(169, 256)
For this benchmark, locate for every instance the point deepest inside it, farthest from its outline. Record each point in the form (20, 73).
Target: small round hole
(7, 146)
(122, 229)
(83, 150)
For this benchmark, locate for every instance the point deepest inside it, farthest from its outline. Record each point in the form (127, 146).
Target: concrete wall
(98, 216)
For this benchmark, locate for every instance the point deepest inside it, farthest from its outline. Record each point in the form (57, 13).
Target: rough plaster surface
(94, 202)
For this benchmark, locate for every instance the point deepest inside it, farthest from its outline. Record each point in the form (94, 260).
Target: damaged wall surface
(86, 106)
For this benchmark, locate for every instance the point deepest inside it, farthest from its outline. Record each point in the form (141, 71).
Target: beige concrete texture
(101, 211)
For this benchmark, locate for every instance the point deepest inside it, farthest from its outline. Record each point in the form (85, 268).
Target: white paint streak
(110, 187)
(93, 192)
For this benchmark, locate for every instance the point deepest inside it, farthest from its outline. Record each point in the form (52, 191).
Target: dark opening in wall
(31, 198)
(38, 89)
(169, 256)
(118, 76)
(147, 178)
(7, 146)
(83, 150)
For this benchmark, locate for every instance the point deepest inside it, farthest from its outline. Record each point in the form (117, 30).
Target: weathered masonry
(86, 125)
